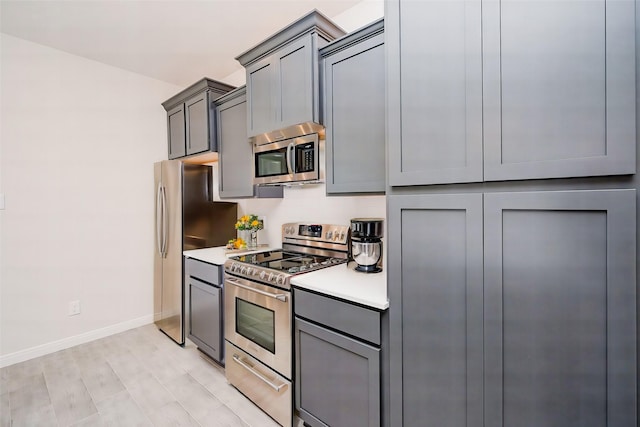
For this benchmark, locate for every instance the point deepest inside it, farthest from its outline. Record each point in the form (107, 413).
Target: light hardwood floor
(135, 378)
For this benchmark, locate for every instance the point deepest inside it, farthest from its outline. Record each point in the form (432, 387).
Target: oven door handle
(250, 368)
(279, 297)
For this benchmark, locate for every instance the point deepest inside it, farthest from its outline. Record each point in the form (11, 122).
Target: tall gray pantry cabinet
(513, 282)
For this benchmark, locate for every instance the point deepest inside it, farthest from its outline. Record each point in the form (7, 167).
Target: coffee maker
(365, 250)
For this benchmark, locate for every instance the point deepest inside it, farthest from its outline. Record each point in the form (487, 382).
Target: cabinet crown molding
(312, 22)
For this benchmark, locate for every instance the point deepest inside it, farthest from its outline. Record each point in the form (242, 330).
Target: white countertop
(219, 254)
(369, 289)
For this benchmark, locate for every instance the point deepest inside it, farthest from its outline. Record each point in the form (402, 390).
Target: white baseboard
(52, 347)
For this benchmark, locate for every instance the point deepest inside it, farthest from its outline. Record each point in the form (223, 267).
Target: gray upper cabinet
(509, 90)
(198, 123)
(235, 152)
(353, 99)
(190, 118)
(434, 85)
(436, 305)
(176, 132)
(283, 75)
(559, 88)
(560, 308)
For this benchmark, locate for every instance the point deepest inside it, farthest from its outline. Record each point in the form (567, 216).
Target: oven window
(271, 163)
(256, 323)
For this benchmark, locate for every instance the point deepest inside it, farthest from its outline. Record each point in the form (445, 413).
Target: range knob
(280, 279)
(263, 274)
(250, 271)
(243, 270)
(234, 267)
(329, 235)
(342, 236)
(272, 277)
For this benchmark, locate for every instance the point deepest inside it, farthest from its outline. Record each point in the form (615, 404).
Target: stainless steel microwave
(287, 161)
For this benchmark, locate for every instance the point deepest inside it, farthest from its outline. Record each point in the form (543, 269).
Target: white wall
(79, 139)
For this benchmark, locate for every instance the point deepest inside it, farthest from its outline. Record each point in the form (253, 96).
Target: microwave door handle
(291, 166)
(159, 237)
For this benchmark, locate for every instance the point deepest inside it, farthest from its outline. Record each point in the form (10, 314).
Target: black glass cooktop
(290, 262)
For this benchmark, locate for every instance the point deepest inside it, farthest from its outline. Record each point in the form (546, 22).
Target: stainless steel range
(258, 320)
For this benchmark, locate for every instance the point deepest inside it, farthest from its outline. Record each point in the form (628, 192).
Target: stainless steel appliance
(287, 161)
(185, 218)
(366, 244)
(258, 319)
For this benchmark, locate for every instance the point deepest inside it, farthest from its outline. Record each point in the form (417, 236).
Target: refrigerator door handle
(159, 212)
(165, 222)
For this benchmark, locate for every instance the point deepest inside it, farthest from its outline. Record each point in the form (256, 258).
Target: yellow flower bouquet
(248, 225)
(249, 222)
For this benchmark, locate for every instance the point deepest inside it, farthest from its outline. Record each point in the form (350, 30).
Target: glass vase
(250, 237)
(253, 239)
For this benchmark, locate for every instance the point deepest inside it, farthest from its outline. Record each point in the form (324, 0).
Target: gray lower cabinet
(560, 309)
(510, 90)
(338, 372)
(283, 75)
(204, 302)
(518, 310)
(353, 99)
(435, 295)
(190, 119)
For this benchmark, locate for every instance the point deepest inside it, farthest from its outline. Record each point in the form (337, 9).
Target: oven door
(258, 321)
(291, 160)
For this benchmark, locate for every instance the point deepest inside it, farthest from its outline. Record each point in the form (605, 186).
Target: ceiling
(176, 41)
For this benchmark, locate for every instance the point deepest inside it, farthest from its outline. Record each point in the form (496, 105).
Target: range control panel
(316, 232)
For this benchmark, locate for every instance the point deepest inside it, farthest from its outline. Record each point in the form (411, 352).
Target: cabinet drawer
(351, 319)
(206, 272)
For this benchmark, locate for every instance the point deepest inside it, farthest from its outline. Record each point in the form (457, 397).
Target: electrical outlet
(74, 308)
(262, 219)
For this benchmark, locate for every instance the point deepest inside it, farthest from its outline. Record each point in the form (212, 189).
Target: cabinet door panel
(176, 131)
(435, 276)
(559, 88)
(261, 98)
(294, 82)
(197, 114)
(234, 150)
(338, 378)
(205, 317)
(560, 316)
(354, 101)
(435, 91)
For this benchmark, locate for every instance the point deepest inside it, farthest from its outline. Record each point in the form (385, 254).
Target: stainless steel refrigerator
(185, 218)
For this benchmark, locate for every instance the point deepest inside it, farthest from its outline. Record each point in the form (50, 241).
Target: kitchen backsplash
(305, 203)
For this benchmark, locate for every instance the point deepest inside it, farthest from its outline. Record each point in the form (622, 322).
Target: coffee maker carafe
(365, 252)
